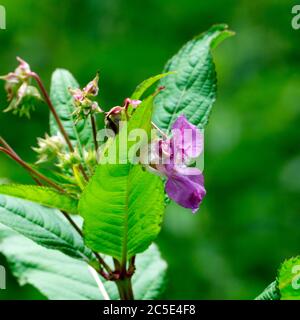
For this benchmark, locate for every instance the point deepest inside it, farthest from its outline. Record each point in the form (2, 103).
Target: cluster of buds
(53, 148)
(68, 160)
(84, 104)
(20, 94)
(49, 147)
(117, 114)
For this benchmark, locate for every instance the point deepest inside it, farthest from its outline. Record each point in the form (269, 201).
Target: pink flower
(171, 157)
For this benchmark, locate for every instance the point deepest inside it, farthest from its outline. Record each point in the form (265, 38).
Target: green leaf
(79, 134)
(42, 195)
(145, 85)
(45, 226)
(60, 277)
(191, 90)
(123, 204)
(122, 209)
(289, 279)
(270, 293)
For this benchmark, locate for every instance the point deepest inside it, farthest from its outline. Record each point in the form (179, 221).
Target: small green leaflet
(146, 84)
(191, 90)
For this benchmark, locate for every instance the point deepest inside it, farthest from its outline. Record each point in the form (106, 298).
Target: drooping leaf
(60, 277)
(42, 195)
(270, 293)
(146, 84)
(289, 279)
(79, 134)
(123, 204)
(45, 226)
(191, 90)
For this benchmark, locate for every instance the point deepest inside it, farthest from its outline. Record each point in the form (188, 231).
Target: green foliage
(252, 147)
(289, 279)
(123, 204)
(60, 277)
(43, 195)
(191, 90)
(79, 134)
(43, 225)
(122, 209)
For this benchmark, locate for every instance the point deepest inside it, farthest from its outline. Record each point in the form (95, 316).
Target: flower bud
(23, 102)
(20, 94)
(84, 106)
(113, 118)
(49, 148)
(92, 88)
(66, 161)
(132, 102)
(90, 158)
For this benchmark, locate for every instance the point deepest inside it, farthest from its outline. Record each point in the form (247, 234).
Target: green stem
(125, 288)
(123, 281)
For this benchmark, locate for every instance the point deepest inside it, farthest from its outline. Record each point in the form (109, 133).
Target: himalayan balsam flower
(171, 157)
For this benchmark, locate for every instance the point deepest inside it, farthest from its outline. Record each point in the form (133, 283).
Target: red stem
(32, 171)
(53, 111)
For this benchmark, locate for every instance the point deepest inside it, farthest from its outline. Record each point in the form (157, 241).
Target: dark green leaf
(43, 225)
(60, 277)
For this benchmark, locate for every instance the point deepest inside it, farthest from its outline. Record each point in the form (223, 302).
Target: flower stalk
(32, 171)
(56, 117)
(94, 128)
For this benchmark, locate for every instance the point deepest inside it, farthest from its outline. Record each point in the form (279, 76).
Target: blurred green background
(250, 220)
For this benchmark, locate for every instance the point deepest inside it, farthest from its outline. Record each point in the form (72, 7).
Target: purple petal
(186, 189)
(187, 139)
